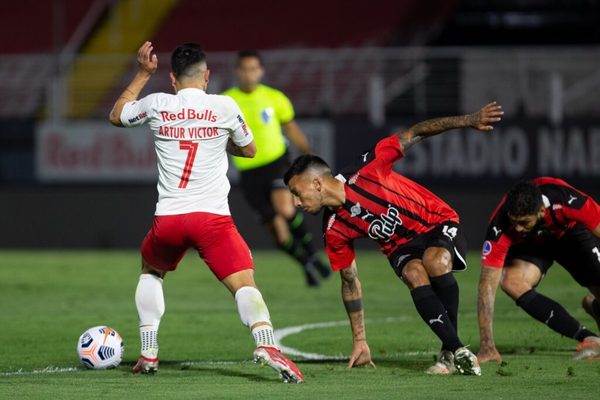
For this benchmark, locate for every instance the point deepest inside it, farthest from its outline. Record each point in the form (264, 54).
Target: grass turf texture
(49, 298)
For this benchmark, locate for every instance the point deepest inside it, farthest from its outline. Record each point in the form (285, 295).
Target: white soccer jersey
(190, 130)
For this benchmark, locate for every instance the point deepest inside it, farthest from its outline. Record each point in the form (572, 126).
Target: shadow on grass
(537, 350)
(221, 366)
(215, 367)
(419, 365)
(238, 374)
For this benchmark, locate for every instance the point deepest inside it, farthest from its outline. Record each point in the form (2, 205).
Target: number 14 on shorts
(450, 231)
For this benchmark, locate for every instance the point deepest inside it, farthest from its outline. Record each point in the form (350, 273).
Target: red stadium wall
(235, 25)
(34, 26)
(39, 26)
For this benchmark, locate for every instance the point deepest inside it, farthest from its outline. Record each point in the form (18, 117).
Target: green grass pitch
(48, 298)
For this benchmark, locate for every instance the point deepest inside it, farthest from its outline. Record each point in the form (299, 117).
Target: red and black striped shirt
(564, 207)
(380, 204)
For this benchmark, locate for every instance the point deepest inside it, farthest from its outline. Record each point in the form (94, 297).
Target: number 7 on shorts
(191, 148)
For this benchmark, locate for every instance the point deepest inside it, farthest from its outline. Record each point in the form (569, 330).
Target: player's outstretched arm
(352, 297)
(296, 136)
(488, 284)
(147, 64)
(481, 120)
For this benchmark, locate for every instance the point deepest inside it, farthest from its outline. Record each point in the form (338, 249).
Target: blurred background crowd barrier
(354, 73)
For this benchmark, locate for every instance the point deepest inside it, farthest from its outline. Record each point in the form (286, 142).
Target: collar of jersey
(546, 201)
(340, 178)
(190, 90)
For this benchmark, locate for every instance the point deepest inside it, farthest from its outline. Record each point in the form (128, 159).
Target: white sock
(263, 336)
(251, 306)
(150, 304)
(253, 310)
(149, 337)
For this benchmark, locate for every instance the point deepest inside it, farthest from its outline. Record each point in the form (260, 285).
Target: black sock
(446, 289)
(431, 309)
(596, 308)
(552, 314)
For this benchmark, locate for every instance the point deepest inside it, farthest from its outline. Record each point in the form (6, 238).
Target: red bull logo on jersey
(187, 114)
(383, 228)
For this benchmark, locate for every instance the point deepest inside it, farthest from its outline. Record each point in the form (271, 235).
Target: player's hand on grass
(484, 119)
(147, 61)
(486, 355)
(361, 355)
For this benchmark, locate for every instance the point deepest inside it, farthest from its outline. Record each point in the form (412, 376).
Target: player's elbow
(115, 119)
(249, 151)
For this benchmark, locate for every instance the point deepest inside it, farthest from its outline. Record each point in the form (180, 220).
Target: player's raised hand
(147, 61)
(484, 119)
(361, 355)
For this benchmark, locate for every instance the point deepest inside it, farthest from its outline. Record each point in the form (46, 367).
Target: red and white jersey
(564, 207)
(190, 131)
(380, 204)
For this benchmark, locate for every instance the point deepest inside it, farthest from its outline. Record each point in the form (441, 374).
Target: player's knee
(414, 275)
(284, 206)
(437, 261)
(251, 306)
(514, 286)
(149, 269)
(288, 212)
(507, 286)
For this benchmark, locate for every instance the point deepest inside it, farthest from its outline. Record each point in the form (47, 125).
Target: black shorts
(258, 183)
(578, 251)
(448, 235)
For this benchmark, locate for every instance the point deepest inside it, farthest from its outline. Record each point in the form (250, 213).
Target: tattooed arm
(488, 284)
(480, 120)
(352, 297)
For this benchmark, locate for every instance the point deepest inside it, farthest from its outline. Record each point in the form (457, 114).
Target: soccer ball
(100, 347)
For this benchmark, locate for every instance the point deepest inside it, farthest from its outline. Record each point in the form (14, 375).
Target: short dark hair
(523, 199)
(186, 56)
(302, 163)
(249, 54)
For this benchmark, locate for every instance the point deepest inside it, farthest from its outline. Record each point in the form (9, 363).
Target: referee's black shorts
(258, 183)
(578, 251)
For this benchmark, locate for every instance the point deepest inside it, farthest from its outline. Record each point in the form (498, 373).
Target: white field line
(280, 334)
(47, 370)
(54, 370)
